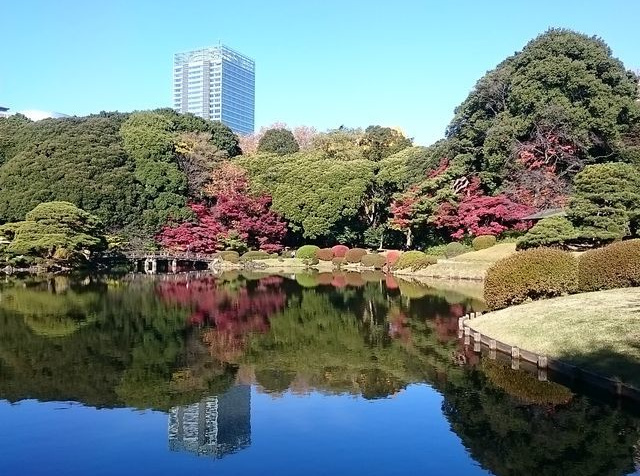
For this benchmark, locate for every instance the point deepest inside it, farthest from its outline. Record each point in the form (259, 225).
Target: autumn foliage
(234, 212)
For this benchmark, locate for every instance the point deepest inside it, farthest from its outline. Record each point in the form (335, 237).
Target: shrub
(307, 252)
(392, 257)
(436, 250)
(230, 256)
(254, 255)
(415, 260)
(338, 261)
(483, 242)
(324, 254)
(532, 274)
(614, 266)
(455, 249)
(355, 255)
(286, 254)
(339, 251)
(552, 231)
(375, 261)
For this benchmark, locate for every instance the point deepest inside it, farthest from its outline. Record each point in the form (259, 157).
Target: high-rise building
(216, 83)
(215, 427)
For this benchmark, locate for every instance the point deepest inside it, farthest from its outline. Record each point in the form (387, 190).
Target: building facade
(216, 83)
(215, 427)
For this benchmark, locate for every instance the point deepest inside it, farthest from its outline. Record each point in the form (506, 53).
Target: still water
(253, 374)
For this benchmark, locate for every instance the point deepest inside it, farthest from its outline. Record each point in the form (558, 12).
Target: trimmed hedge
(307, 252)
(230, 256)
(530, 275)
(552, 231)
(614, 266)
(325, 254)
(483, 242)
(392, 257)
(354, 255)
(414, 260)
(338, 261)
(339, 251)
(375, 261)
(455, 249)
(254, 255)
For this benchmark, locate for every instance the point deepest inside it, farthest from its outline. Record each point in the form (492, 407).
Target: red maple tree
(478, 214)
(235, 212)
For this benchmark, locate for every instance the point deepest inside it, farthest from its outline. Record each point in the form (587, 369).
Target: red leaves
(477, 214)
(235, 211)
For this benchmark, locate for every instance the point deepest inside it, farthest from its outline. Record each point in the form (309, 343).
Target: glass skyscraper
(216, 83)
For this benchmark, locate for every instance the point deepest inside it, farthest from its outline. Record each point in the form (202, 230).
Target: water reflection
(197, 346)
(215, 426)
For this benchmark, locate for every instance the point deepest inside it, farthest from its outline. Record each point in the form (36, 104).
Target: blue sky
(405, 63)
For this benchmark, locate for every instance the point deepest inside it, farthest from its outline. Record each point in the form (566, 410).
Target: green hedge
(354, 255)
(414, 260)
(307, 252)
(455, 249)
(373, 261)
(483, 242)
(325, 254)
(529, 275)
(230, 256)
(614, 266)
(552, 231)
(254, 255)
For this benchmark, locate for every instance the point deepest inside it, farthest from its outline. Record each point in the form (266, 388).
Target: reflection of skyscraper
(216, 426)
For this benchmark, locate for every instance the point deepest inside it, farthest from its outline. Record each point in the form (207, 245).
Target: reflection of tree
(509, 438)
(229, 312)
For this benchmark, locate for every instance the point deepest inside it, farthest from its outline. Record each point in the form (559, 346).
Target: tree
(58, 230)
(236, 214)
(563, 99)
(380, 142)
(605, 204)
(197, 158)
(552, 231)
(278, 141)
(478, 214)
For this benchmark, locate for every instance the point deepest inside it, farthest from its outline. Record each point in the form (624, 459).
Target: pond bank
(596, 331)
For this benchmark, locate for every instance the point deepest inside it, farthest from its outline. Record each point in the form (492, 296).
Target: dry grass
(599, 331)
(473, 265)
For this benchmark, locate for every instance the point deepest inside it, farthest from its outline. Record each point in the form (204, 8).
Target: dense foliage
(614, 266)
(57, 231)
(530, 275)
(483, 242)
(550, 232)
(556, 125)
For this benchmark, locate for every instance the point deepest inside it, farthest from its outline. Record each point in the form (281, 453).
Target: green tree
(605, 204)
(55, 230)
(380, 142)
(278, 141)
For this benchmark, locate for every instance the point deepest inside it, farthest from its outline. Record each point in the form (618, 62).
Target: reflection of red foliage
(325, 279)
(399, 325)
(390, 282)
(339, 281)
(231, 314)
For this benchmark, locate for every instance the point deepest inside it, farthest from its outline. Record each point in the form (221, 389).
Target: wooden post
(154, 266)
(542, 375)
(542, 361)
(467, 331)
(493, 345)
(461, 323)
(515, 364)
(174, 266)
(477, 341)
(493, 354)
(467, 339)
(515, 353)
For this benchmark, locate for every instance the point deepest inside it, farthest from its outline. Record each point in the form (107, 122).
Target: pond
(292, 374)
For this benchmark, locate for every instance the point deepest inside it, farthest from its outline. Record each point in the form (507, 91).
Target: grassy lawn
(598, 331)
(473, 265)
